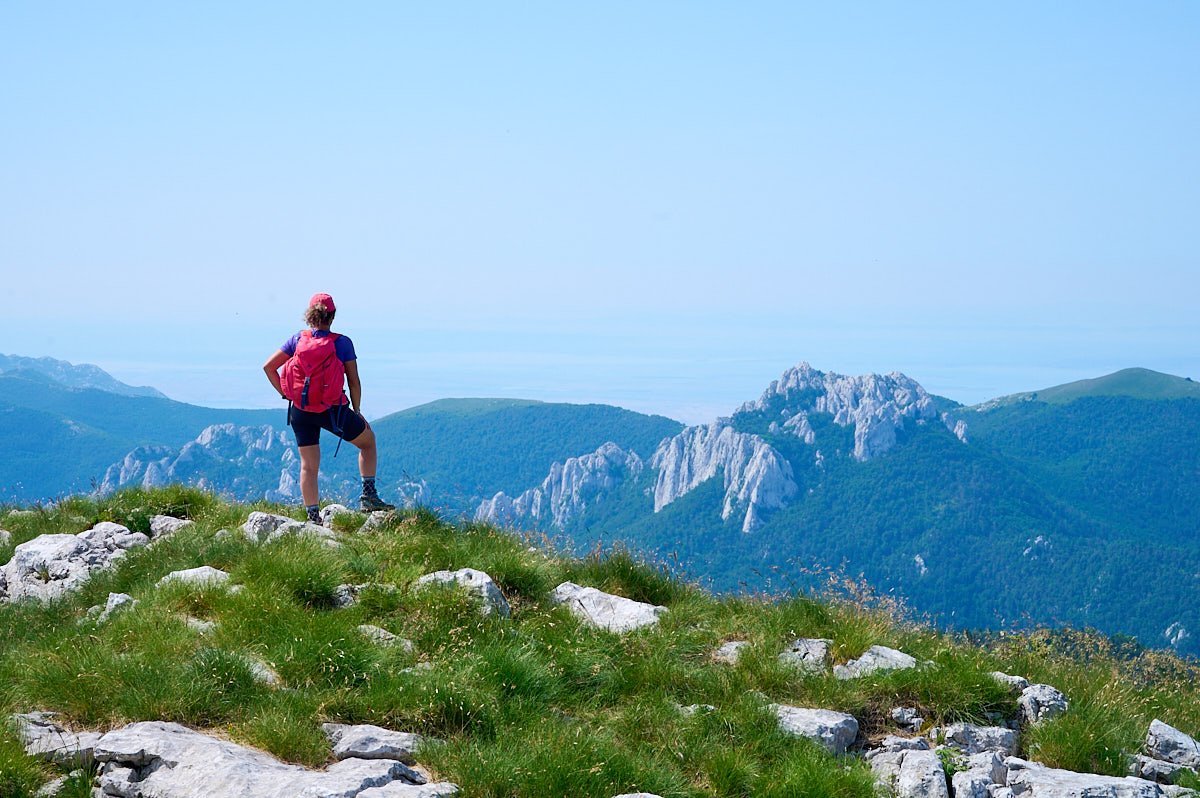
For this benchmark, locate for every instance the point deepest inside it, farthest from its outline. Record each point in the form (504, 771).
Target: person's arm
(354, 384)
(271, 368)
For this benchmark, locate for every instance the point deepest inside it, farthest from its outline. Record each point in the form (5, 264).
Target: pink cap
(323, 299)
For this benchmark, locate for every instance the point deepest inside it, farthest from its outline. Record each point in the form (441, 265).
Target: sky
(656, 205)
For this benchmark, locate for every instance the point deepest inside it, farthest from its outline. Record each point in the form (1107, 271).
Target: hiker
(315, 362)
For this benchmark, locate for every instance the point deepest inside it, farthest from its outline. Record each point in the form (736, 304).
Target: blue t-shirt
(343, 346)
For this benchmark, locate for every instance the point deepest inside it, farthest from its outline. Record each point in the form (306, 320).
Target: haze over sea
(659, 206)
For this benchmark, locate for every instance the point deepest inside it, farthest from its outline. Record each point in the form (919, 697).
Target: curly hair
(318, 316)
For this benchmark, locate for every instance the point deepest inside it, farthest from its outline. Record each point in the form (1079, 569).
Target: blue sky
(657, 205)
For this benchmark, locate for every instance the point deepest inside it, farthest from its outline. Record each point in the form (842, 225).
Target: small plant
(42, 569)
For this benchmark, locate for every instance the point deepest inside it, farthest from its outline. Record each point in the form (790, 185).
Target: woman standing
(317, 364)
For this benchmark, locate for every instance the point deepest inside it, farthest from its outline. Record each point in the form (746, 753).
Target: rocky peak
(876, 405)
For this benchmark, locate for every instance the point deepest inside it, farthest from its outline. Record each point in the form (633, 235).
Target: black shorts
(340, 420)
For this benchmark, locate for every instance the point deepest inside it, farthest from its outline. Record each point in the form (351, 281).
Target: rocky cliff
(567, 491)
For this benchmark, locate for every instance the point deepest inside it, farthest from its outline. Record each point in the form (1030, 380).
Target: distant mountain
(1083, 511)
(450, 454)
(1135, 383)
(57, 440)
(69, 375)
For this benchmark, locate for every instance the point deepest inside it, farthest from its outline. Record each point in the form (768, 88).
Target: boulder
(729, 653)
(604, 610)
(377, 519)
(907, 718)
(165, 525)
(200, 625)
(331, 511)
(371, 742)
(259, 525)
(911, 773)
(836, 731)
(5, 538)
(52, 789)
(1041, 702)
(50, 566)
(46, 739)
(115, 602)
(204, 576)
(1032, 780)
(1171, 745)
(972, 739)
(1014, 683)
(298, 528)
(441, 789)
(381, 636)
(874, 660)
(166, 760)
(1157, 770)
(983, 774)
(475, 582)
(810, 655)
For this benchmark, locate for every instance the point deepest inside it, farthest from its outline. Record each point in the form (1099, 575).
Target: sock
(368, 486)
(314, 512)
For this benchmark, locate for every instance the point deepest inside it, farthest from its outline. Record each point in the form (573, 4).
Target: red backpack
(313, 377)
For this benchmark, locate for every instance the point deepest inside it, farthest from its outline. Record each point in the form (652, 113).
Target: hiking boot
(370, 502)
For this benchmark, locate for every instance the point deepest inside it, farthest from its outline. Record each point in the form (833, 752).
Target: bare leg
(368, 455)
(310, 464)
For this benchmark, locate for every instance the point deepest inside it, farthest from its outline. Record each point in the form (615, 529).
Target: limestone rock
(836, 731)
(371, 742)
(162, 526)
(907, 718)
(331, 511)
(6, 538)
(729, 653)
(1032, 780)
(115, 602)
(377, 519)
(758, 479)
(441, 789)
(637, 795)
(383, 637)
(204, 576)
(983, 774)
(565, 494)
(46, 739)
(259, 525)
(170, 761)
(476, 582)
(262, 672)
(200, 625)
(1171, 745)
(972, 739)
(604, 610)
(911, 773)
(807, 654)
(1041, 702)
(874, 660)
(1144, 767)
(1015, 683)
(877, 406)
(52, 789)
(50, 566)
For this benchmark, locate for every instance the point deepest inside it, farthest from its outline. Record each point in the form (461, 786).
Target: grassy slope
(1136, 383)
(538, 705)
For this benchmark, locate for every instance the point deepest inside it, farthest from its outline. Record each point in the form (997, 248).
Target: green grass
(537, 704)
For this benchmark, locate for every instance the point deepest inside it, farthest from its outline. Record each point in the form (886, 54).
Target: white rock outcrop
(371, 742)
(972, 739)
(166, 525)
(45, 738)
(874, 660)
(836, 731)
(981, 776)
(729, 653)
(50, 566)
(171, 761)
(876, 405)
(1032, 780)
(1014, 683)
(567, 492)
(203, 576)
(475, 582)
(1169, 744)
(1041, 702)
(605, 610)
(808, 654)
(758, 479)
(910, 773)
